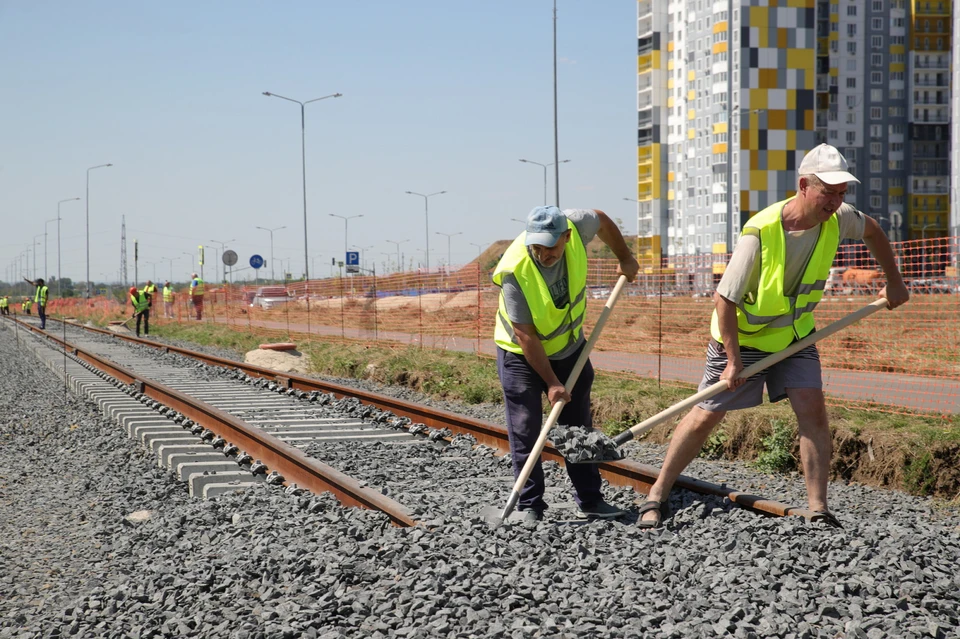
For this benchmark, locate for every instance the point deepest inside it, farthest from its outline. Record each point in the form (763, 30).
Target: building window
(876, 201)
(851, 117)
(876, 131)
(876, 113)
(876, 149)
(851, 83)
(876, 185)
(851, 30)
(896, 75)
(876, 24)
(876, 77)
(851, 10)
(851, 137)
(876, 42)
(876, 59)
(877, 6)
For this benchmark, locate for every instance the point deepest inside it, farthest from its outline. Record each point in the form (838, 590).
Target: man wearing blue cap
(539, 335)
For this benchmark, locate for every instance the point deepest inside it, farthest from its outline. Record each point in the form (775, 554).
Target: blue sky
(437, 95)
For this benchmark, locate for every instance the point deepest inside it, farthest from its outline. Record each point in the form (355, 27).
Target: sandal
(647, 506)
(826, 517)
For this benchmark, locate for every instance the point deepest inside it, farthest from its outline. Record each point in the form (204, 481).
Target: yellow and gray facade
(771, 79)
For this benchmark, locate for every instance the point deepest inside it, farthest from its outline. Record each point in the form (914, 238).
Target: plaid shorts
(800, 370)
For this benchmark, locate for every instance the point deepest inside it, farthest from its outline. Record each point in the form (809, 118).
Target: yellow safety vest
(4, 302)
(26, 305)
(167, 294)
(198, 289)
(41, 295)
(557, 328)
(140, 303)
(150, 289)
(772, 321)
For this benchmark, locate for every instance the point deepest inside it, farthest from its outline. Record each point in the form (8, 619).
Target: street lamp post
(46, 273)
(99, 166)
(426, 217)
(303, 160)
(220, 258)
(479, 251)
(59, 284)
(35, 244)
(171, 260)
(193, 266)
(448, 236)
(545, 178)
(398, 243)
(273, 274)
(346, 220)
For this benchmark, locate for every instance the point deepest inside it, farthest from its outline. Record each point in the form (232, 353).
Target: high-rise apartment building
(771, 79)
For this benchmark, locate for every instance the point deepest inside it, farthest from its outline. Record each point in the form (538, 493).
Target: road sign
(256, 261)
(353, 261)
(229, 257)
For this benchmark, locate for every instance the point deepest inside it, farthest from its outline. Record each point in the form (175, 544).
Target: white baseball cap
(828, 164)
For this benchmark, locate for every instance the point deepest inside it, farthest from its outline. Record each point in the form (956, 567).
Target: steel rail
(640, 477)
(289, 461)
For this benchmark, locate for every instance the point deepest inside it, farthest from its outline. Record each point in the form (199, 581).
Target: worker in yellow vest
(4, 305)
(539, 335)
(150, 290)
(25, 305)
(141, 309)
(167, 299)
(40, 299)
(764, 303)
(196, 295)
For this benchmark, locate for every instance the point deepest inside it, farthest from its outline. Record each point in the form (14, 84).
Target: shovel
(490, 513)
(721, 385)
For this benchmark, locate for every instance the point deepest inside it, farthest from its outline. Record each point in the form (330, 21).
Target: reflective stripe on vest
(773, 321)
(140, 303)
(557, 328)
(41, 295)
(198, 289)
(167, 294)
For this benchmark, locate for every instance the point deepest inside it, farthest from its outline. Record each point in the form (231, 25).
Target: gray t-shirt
(742, 275)
(587, 223)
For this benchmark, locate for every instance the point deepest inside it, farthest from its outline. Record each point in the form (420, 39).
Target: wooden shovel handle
(749, 371)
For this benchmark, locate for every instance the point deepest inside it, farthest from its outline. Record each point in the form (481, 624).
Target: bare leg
(816, 445)
(687, 440)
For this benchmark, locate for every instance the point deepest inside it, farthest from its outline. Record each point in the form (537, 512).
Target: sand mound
(280, 361)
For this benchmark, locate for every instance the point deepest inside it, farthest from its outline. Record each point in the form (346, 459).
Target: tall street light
(448, 236)
(426, 217)
(99, 166)
(545, 178)
(46, 273)
(35, 244)
(362, 249)
(398, 243)
(171, 260)
(346, 220)
(223, 270)
(193, 260)
(59, 284)
(479, 250)
(303, 159)
(273, 274)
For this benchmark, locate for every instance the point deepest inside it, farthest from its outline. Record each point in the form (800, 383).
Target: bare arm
(876, 240)
(727, 319)
(610, 235)
(537, 358)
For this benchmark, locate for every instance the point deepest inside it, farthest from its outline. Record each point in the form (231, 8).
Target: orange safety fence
(907, 360)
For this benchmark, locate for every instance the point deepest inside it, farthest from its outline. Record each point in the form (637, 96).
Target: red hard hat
(133, 289)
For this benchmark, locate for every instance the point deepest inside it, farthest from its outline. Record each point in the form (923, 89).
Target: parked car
(268, 297)
(929, 287)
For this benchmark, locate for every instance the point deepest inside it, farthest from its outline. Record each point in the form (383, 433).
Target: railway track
(222, 425)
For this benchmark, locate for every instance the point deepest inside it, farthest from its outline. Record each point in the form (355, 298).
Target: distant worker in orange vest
(196, 295)
(167, 299)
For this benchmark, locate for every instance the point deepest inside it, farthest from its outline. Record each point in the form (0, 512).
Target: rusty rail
(619, 473)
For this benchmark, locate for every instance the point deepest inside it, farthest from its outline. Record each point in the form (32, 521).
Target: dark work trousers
(522, 396)
(42, 312)
(145, 316)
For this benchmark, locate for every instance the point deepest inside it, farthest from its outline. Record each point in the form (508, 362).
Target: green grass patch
(776, 449)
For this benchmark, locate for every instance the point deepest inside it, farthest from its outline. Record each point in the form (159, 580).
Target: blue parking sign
(353, 258)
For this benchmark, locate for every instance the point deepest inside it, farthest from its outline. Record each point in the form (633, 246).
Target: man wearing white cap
(765, 302)
(539, 336)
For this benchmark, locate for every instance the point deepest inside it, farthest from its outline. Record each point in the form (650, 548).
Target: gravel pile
(98, 542)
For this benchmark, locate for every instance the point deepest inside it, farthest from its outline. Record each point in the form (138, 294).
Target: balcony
(939, 62)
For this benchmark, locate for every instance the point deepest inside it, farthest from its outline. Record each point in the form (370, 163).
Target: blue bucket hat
(545, 225)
